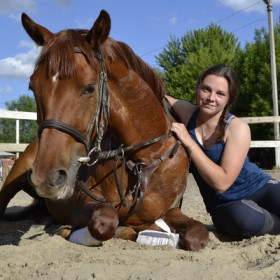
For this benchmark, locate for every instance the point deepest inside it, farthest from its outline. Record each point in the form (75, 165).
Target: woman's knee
(243, 218)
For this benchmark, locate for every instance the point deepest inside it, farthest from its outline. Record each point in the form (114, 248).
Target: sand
(33, 250)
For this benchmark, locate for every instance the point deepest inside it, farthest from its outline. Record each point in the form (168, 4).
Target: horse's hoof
(65, 232)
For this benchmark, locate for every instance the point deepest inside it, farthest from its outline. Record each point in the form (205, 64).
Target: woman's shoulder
(183, 108)
(187, 109)
(235, 121)
(237, 127)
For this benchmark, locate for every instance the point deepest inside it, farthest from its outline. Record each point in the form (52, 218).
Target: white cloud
(16, 6)
(153, 20)
(16, 17)
(21, 65)
(85, 24)
(64, 3)
(248, 5)
(173, 20)
(6, 89)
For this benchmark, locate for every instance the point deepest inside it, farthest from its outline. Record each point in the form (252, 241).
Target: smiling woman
(213, 99)
(240, 197)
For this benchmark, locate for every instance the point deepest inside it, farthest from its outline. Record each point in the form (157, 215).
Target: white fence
(16, 115)
(19, 147)
(265, 143)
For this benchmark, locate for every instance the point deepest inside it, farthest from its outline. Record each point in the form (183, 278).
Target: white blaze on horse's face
(54, 78)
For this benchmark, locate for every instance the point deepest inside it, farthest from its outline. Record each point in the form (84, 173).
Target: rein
(121, 149)
(142, 171)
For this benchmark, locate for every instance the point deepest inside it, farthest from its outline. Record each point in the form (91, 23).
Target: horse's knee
(194, 237)
(104, 221)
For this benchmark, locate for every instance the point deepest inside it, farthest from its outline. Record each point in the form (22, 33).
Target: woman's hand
(183, 135)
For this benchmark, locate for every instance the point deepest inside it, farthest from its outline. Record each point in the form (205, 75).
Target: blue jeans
(257, 214)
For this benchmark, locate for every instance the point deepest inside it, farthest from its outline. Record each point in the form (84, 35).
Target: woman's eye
(221, 94)
(89, 90)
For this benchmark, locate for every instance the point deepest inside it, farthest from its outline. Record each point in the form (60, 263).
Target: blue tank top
(250, 179)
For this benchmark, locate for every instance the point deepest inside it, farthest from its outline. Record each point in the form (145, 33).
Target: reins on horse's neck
(121, 149)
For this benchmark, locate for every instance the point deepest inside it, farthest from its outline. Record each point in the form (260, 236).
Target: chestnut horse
(100, 106)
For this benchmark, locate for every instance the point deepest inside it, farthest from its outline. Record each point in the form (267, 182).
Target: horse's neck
(136, 114)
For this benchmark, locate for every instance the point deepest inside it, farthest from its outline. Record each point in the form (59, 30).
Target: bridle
(101, 114)
(142, 171)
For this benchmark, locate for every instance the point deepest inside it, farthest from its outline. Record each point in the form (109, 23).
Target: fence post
(273, 76)
(17, 136)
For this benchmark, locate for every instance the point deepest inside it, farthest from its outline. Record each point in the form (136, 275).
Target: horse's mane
(58, 55)
(120, 50)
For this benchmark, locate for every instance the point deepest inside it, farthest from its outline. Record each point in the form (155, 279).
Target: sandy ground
(33, 250)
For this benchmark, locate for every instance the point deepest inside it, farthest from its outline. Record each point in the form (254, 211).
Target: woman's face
(212, 94)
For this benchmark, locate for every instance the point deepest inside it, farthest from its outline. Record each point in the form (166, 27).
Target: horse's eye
(89, 89)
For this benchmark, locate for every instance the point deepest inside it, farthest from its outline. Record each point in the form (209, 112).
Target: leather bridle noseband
(141, 170)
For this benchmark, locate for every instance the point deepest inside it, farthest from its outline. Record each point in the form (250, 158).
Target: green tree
(255, 80)
(184, 59)
(28, 128)
(255, 97)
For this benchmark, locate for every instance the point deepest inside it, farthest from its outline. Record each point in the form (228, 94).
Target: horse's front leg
(102, 224)
(17, 179)
(193, 234)
(104, 221)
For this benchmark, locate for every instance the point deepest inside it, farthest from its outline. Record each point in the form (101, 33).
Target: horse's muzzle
(53, 186)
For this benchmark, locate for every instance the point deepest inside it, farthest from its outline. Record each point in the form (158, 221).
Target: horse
(105, 157)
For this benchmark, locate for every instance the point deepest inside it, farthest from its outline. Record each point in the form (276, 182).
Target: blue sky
(146, 26)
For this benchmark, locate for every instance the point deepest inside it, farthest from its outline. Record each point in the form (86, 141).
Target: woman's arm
(237, 144)
(182, 108)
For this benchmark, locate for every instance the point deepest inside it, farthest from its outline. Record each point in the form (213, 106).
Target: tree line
(180, 64)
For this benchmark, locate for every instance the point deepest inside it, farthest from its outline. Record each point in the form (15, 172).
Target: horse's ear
(38, 33)
(100, 30)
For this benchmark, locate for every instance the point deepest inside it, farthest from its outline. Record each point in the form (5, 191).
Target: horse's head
(66, 84)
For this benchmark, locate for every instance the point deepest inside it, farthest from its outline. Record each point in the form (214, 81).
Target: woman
(241, 198)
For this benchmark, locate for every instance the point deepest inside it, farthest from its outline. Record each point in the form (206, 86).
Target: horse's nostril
(61, 177)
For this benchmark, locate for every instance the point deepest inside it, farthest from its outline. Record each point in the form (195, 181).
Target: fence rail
(16, 115)
(20, 147)
(268, 143)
